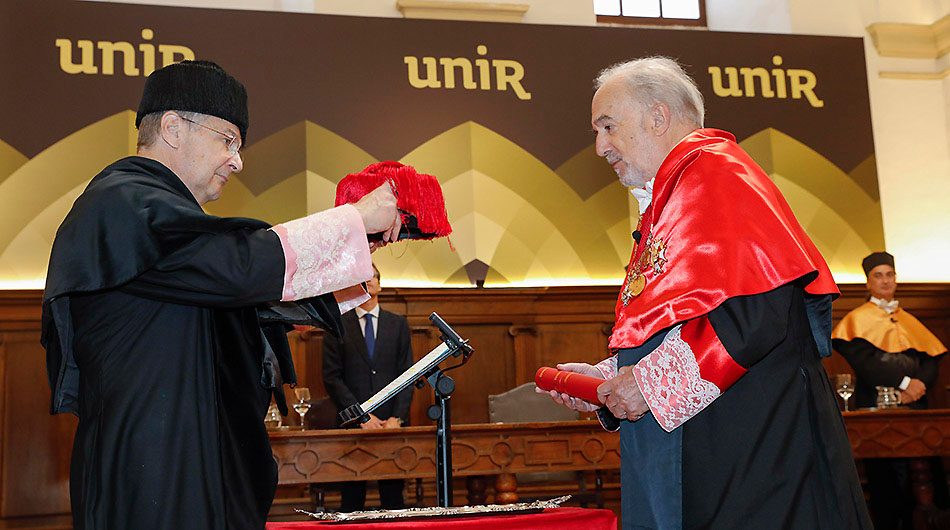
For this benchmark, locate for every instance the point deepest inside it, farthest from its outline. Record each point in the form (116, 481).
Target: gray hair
(659, 80)
(151, 123)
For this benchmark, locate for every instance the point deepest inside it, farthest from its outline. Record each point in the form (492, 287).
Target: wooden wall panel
(35, 448)
(490, 370)
(585, 342)
(513, 331)
(306, 347)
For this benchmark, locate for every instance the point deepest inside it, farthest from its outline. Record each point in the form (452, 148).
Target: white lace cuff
(670, 381)
(608, 367)
(324, 252)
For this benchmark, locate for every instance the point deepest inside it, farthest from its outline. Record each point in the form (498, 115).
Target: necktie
(370, 334)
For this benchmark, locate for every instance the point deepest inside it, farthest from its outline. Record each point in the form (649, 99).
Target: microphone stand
(443, 386)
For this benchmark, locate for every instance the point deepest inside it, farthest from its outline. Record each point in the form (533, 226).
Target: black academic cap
(875, 259)
(195, 86)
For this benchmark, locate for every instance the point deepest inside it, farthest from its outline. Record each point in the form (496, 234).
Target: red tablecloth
(552, 518)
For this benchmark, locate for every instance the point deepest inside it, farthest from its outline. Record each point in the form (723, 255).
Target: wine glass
(844, 386)
(302, 403)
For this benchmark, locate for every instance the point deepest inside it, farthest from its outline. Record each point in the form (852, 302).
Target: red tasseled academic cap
(418, 195)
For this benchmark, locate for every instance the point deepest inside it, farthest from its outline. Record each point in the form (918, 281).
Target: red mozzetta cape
(717, 228)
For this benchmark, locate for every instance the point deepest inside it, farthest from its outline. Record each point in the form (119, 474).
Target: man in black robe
(727, 419)
(163, 325)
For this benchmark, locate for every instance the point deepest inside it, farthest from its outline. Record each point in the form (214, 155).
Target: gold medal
(636, 284)
(645, 258)
(636, 281)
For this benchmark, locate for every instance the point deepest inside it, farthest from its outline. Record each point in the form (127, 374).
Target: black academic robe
(888, 480)
(153, 340)
(876, 367)
(770, 453)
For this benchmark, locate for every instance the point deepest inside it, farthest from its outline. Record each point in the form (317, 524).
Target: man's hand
(569, 401)
(622, 396)
(391, 423)
(916, 389)
(373, 423)
(378, 211)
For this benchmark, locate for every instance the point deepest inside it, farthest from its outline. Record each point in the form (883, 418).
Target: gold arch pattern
(10, 160)
(529, 224)
(37, 194)
(837, 209)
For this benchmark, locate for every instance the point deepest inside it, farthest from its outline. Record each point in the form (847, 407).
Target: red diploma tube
(571, 383)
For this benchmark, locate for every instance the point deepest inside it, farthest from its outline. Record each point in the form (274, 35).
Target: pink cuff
(324, 252)
(670, 381)
(608, 369)
(351, 297)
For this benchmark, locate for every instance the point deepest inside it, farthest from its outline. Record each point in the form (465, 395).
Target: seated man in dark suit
(375, 349)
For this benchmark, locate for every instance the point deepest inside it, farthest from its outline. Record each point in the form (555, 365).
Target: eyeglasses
(234, 143)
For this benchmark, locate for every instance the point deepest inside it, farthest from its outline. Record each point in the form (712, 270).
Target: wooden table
(904, 433)
(898, 433)
(505, 449)
(477, 450)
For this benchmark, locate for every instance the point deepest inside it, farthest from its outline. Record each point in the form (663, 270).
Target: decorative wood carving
(481, 449)
(899, 433)
(514, 331)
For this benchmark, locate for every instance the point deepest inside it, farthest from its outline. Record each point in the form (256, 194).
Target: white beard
(633, 178)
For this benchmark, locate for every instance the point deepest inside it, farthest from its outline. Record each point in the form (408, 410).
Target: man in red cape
(726, 416)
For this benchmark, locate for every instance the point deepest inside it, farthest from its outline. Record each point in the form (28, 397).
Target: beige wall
(570, 12)
(911, 117)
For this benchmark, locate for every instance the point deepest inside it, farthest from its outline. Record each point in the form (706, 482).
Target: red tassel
(419, 194)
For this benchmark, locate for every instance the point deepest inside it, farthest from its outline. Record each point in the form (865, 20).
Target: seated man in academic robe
(887, 346)
(727, 419)
(164, 327)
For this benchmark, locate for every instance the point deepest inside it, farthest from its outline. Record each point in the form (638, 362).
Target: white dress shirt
(644, 195)
(889, 308)
(375, 312)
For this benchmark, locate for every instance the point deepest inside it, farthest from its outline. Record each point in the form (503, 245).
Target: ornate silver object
(436, 511)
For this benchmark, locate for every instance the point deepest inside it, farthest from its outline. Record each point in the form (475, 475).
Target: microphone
(636, 235)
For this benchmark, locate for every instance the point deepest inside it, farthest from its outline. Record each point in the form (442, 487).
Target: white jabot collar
(644, 195)
(888, 307)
